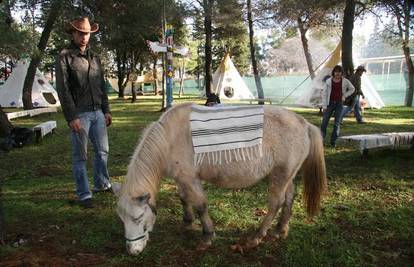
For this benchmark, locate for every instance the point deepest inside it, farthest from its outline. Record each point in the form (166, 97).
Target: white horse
(290, 143)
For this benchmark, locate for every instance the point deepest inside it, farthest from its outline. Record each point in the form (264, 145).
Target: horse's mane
(145, 167)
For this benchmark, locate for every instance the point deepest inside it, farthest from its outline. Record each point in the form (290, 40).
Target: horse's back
(285, 144)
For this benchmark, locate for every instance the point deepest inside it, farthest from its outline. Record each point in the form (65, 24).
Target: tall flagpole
(163, 55)
(168, 41)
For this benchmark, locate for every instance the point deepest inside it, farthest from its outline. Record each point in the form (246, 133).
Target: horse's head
(138, 217)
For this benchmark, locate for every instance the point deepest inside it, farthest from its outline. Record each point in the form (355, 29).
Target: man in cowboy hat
(81, 88)
(353, 101)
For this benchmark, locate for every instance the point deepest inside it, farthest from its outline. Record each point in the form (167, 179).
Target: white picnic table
(366, 142)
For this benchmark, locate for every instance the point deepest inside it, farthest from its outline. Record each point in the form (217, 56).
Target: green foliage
(230, 34)
(380, 44)
(312, 13)
(366, 218)
(14, 38)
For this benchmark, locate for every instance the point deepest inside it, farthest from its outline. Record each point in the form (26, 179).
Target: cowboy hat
(82, 25)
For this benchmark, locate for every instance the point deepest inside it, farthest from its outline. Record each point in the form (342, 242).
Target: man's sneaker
(86, 203)
(362, 122)
(105, 189)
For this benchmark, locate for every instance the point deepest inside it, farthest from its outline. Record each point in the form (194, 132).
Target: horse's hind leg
(276, 199)
(282, 227)
(280, 183)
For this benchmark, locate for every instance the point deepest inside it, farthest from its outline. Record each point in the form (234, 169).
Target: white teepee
(43, 94)
(312, 97)
(227, 82)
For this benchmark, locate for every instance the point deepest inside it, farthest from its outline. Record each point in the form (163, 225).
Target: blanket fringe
(227, 156)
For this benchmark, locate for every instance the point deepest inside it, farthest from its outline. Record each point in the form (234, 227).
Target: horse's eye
(138, 219)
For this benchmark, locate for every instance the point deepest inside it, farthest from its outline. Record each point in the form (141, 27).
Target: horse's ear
(143, 199)
(116, 188)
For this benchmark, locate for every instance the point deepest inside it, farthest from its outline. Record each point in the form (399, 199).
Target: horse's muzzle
(135, 248)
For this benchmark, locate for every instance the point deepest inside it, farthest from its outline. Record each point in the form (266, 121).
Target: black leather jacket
(80, 82)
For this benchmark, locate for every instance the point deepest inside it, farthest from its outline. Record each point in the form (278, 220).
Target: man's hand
(75, 125)
(108, 119)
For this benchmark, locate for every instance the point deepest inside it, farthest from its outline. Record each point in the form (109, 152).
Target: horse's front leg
(207, 224)
(188, 215)
(193, 195)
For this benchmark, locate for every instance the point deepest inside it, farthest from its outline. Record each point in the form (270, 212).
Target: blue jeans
(93, 126)
(336, 109)
(357, 109)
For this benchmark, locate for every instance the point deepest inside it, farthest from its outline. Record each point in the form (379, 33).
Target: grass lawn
(367, 218)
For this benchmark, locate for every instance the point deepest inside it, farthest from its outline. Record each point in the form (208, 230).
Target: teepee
(312, 97)
(43, 94)
(227, 82)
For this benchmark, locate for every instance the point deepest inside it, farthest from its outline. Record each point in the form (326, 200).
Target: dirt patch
(50, 256)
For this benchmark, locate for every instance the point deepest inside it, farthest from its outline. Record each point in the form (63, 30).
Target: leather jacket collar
(75, 51)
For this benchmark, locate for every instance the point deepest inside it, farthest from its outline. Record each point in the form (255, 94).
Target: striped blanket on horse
(226, 133)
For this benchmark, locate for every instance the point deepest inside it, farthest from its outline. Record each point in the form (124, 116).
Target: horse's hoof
(252, 243)
(283, 233)
(248, 245)
(190, 227)
(271, 237)
(237, 248)
(203, 246)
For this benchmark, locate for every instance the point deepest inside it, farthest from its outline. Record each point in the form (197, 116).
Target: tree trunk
(182, 72)
(404, 28)
(410, 79)
(257, 79)
(347, 28)
(133, 92)
(141, 85)
(305, 46)
(155, 75)
(5, 130)
(5, 69)
(208, 10)
(119, 75)
(9, 18)
(135, 73)
(5, 125)
(163, 105)
(120, 65)
(37, 56)
(2, 222)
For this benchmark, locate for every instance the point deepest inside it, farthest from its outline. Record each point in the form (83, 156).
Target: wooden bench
(366, 142)
(31, 112)
(37, 111)
(17, 114)
(43, 129)
(264, 100)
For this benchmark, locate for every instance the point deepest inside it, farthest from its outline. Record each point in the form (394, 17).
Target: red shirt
(336, 92)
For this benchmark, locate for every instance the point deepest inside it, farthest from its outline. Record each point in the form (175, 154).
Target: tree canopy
(281, 29)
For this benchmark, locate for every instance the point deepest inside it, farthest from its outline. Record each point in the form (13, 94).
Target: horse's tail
(314, 172)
